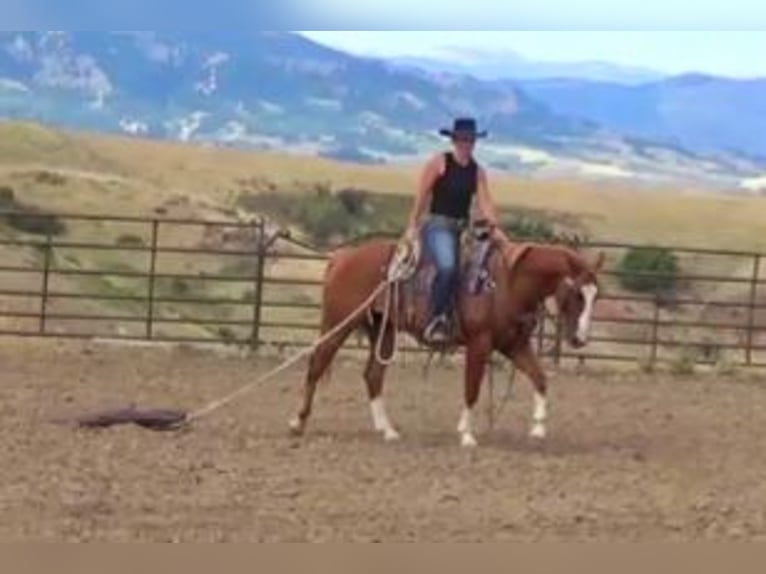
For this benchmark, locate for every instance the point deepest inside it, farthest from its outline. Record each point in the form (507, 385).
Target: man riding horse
(449, 184)
(495, 313)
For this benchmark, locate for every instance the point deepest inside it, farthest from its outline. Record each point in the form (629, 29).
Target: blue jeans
(441, 243)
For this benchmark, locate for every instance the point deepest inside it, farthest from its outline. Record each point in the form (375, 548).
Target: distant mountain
(279, 90)
(235, 87)
(510, 65)
(701, 113)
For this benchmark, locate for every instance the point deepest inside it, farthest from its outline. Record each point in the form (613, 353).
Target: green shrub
(539, 230)
(35, 223)
(530, 229)
(7, 197)
(354, 201)
(49, 178)
(685, 362)
(649, 270)
(130, 240)
(27, 218)
(227, 335)
(328, 216)
(180, 287)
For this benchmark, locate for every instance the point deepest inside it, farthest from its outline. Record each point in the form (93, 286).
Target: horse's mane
(515, 253)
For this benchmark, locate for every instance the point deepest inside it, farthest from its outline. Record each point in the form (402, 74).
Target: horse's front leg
(478, 351)
(527, 362)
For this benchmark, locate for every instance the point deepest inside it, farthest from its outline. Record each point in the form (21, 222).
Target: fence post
(655, 332)
(751, 308)
(47, 260)
(152, 280)
(260, 266)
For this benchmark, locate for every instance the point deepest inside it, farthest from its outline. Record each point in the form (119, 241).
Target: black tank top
(455, 188)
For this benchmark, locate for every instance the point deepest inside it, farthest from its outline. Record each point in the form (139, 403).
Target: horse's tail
(332, 263)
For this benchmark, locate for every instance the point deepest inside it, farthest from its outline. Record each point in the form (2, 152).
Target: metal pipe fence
(165, 283)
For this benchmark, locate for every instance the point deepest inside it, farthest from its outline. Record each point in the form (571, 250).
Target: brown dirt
(630, 457)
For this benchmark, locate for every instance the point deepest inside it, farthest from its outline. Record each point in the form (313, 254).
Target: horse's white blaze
(589, 293)
(380, 420)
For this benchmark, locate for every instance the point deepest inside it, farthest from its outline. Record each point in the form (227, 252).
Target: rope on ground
(399, 268)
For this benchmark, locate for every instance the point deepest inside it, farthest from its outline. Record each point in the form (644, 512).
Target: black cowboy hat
(463, 126)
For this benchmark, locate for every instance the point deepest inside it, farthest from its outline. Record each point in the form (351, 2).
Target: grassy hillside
(129, 176)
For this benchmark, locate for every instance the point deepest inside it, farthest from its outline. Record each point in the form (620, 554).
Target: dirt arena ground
(630, 457)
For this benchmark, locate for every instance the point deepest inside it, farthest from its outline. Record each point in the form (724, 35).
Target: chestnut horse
(501, 319)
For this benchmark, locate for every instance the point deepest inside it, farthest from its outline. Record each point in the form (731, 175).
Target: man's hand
(411, 234)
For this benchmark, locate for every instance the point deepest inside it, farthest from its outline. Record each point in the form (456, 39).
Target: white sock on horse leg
(539, 416)
(380, 420)
(465, 429)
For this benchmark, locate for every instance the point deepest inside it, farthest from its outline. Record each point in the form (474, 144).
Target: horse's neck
(533, 292)
(516, 292)
(526, 290)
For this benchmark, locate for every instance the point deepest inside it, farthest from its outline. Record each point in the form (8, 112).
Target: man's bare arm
(428, 177)
(485, 203)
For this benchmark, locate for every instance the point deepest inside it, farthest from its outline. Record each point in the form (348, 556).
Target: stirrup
(437, 330)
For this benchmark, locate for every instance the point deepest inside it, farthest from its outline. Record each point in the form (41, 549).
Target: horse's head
(562, 274)
(575, 298)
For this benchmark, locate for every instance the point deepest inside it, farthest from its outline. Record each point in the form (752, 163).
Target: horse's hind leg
(375, 373)
(318, 364)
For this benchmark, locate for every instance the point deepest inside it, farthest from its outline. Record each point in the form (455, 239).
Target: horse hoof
(538, 432)
(468, 441)
(391, 436)
(297, 427)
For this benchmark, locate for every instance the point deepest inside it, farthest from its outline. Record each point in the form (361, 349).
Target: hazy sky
(740, 53)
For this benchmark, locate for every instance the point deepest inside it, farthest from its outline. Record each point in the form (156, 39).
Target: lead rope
(401, 267)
